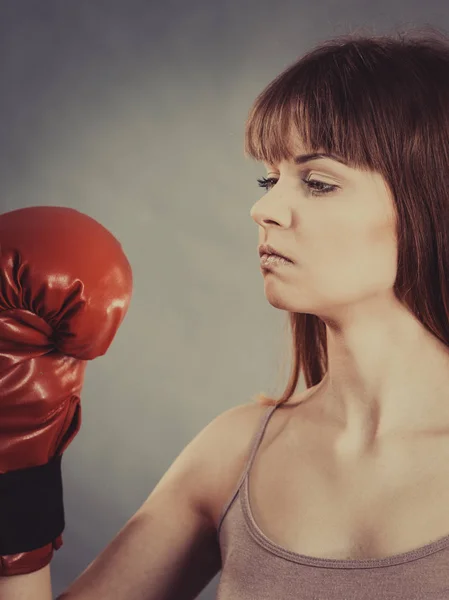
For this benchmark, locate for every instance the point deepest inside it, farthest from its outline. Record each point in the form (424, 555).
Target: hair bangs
(324, 103)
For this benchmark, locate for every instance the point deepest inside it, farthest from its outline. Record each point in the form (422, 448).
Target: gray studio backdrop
(133, 112)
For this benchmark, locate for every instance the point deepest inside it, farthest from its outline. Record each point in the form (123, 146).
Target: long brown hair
(382, 102)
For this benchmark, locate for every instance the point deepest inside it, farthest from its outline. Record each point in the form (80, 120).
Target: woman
(340, 491)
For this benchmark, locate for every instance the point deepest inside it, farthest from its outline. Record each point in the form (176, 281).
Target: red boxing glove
(65, 287)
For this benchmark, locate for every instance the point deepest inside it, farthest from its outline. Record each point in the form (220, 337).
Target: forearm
(32, 586)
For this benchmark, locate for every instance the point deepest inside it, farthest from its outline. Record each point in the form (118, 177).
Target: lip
(269, 249)
(267, 265)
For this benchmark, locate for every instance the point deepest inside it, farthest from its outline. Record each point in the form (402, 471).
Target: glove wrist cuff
(31, 507)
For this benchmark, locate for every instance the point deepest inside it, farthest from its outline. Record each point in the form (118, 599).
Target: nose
(267, 211)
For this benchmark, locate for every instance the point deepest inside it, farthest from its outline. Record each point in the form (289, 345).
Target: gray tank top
(255, 568)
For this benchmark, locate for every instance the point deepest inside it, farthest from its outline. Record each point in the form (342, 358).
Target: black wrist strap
(31, 507)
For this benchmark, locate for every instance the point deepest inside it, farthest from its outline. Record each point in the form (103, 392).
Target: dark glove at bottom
(31, 517)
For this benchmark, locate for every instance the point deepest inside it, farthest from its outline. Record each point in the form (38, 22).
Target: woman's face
(337, 225)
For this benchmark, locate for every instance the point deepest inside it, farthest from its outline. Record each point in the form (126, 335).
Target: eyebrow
(302, 158)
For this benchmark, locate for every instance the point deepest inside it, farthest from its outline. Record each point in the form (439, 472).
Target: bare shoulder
(225, 445)
(210, 465)
(223, 448)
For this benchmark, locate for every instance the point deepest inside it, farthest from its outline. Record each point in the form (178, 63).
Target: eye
(316, 187)
(266, 183)
(321, 187)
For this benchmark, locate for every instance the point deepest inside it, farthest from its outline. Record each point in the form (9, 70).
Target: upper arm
(168, 553)
(169, 549)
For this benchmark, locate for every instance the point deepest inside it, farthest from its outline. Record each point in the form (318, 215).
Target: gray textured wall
(133, 112)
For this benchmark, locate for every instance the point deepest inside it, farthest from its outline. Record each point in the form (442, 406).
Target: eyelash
(264, 183)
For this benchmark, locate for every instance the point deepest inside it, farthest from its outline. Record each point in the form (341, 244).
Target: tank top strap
(253, 449)
(257, 440)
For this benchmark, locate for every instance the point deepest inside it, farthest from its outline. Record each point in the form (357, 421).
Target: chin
(290, 298)
(280, 301)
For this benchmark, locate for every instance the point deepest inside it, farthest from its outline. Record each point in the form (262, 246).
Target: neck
(386, 374)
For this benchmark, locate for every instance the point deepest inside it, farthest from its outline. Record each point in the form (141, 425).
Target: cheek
(363, 255)
(366, 233)
(381, 246)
